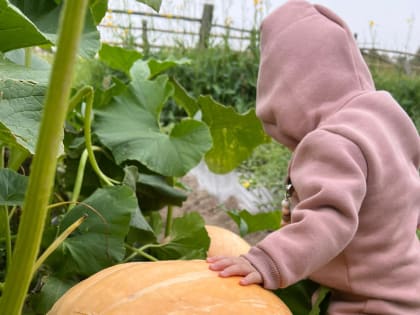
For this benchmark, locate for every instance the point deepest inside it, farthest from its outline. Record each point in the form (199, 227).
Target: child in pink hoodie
(354, 170)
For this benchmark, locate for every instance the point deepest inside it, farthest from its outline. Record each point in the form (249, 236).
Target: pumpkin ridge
(182, 278)
(75, 293)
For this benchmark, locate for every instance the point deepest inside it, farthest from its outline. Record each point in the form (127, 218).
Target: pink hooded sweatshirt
(354, 168)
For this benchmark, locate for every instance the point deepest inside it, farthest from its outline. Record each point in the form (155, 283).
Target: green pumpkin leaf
(130, 128)
(21, 105)
(118, 58)
(16, 30)
(153, 193)
(139, 222)
(99, 241)
(131, 176)
(183, 99)
(17, 57)
(154, 4)
(12, 187)
(141, 232)
(188, 239)
(98, 9)
(234, 135)
(140, 71)
(250, 223)
(46, 14)
(11, 71)
(53, 288)
(298, 297)
(157, 66)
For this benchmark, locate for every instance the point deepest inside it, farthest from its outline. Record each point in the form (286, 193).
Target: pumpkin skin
(177, 287)
(225, 243)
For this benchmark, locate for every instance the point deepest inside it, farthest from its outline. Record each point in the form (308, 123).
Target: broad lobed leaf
(234, 135)
(130, 128)
(99, 241)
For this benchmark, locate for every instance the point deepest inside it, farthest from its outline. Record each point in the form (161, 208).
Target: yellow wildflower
(246, 184)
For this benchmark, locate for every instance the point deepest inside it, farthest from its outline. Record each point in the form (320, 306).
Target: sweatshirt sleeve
(328, 173)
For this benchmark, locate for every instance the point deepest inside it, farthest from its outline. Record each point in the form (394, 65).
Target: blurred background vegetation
(218, 68)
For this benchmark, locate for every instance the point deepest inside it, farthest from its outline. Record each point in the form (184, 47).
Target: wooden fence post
(145, 39)
(205, 27)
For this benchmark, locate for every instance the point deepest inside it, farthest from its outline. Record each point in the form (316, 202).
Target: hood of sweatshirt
(310, 67)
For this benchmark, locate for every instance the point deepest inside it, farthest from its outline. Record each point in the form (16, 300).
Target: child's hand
(235, 266)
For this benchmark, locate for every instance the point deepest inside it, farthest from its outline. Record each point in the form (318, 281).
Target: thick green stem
(168, 225)
(4, 217)
(44, 164)
(80, 174)
(88, 139)
(79, 179)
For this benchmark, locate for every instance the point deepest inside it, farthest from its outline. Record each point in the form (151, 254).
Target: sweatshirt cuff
(265, 266)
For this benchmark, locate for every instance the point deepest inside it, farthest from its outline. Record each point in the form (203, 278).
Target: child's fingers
(214, 258)
(251, 278)
(221, 262)
(235, 266)
(236, 270)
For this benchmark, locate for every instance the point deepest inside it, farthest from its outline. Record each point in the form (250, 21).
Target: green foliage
(13, 187)
(129, 127)
(99, 241)
(118, 58)
(404, 88)
(298, 298)
(20, 116)
(234, 135)
(45, 16)
(188, 239)
(228, 76)
(17, 30)
(250, 223)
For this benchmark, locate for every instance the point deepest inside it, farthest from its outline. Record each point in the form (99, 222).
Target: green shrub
(228, 76)
(404, 88)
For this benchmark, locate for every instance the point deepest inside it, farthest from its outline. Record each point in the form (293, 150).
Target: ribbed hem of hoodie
(266, 267)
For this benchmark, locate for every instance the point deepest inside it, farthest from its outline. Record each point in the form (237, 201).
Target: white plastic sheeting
(224, 186)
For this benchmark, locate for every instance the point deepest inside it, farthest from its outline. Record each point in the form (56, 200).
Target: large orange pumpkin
(166, 288)
(224, 242)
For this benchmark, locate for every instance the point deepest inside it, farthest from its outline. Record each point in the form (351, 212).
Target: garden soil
(211, 208)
